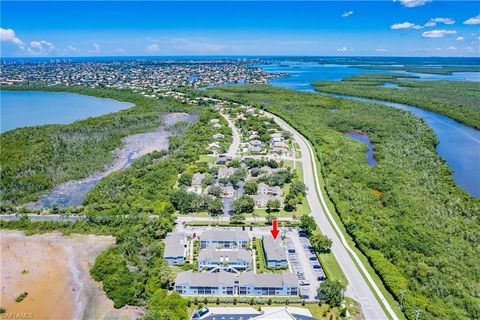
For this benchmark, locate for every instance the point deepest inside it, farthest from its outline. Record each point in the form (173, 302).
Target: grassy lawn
(322, 312)
(262, 267)
(331, 267)
(209, 159)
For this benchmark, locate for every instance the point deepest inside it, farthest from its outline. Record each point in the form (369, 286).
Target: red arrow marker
(275, 230)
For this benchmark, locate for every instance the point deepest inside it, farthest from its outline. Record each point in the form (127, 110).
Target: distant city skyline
(356, 28)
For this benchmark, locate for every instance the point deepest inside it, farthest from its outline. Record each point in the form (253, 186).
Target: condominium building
(223, 239)
(235, 260)
(175, 248)
(275, 255)
(224, 283)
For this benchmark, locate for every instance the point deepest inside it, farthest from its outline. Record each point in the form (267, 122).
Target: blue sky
(395, 28)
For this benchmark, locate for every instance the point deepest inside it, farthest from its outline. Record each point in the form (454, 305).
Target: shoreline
(55, 272)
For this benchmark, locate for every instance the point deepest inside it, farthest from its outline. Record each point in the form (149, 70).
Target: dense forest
(133, 271)
(458, 100)
(35, 159)
(417, 228)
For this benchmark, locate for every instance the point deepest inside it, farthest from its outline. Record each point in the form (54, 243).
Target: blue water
(29, 108)
(392, 85)
(457, 76)
(458, 144)
(303, 74)
(365, 140)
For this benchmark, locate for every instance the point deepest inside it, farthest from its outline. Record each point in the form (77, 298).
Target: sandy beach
(54, 271)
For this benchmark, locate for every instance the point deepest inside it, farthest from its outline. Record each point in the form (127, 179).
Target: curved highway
(361, 286)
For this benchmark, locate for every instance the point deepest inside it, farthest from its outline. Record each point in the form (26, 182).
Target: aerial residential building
(197, 179)
(255, 149)
(228, 191)
(261, 200)
(225, 172)
(224, 283)
(235, 260)
(223, 159)
(218, 136)
(265, 189)
(256, 143)
(175, 248)
(195, 283)
(275, 255)
(223, 239)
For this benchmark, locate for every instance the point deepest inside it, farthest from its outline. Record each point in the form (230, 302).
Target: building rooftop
(267, 279)
(174, 245)
(249, 278)
(205, 279)
(219, 255)
(224, 235)
(273, 250)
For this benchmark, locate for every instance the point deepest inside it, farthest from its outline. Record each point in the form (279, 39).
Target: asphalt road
(36, 217)
(235, 145)
(358, 285)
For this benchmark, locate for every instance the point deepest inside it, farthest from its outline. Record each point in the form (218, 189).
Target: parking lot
(304, 263)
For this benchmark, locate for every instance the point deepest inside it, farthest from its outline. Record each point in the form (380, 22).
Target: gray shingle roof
(204, 278)
(273, 250)
(224, 235)
(174, 245)
(267, 279)
(216, 255)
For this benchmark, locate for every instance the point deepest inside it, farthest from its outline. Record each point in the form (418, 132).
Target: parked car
(316, 266)
(200, 313)
(304, 283)
(321, 278)
(291, 250)
(313, 258)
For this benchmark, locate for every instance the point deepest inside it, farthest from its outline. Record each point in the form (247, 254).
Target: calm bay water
(458, 144)
(363, 138)
(30, 108)
(303, 74)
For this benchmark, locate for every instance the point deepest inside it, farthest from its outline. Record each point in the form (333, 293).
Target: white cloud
(152, 48)
(347, 14)
(41, 47)
(119, 50)
(433, 22)
(473, 20)
(405, 25)
(460, 38)
(9, 36)
(412, 3)
(344, 49)
(381, 50)
(96, 49)
(437, 33)
(198, 45)
(72, 48)
(451, 48)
